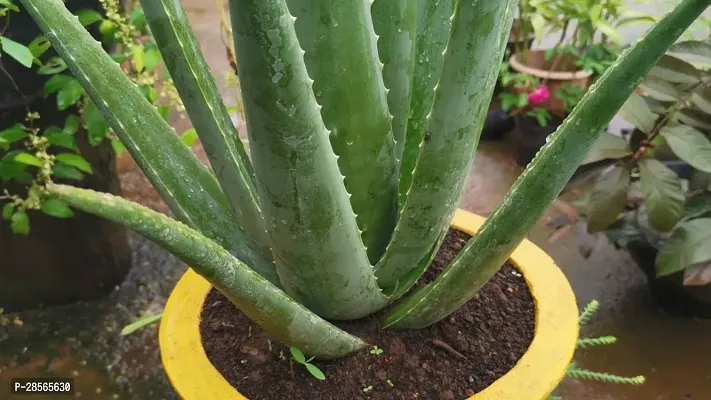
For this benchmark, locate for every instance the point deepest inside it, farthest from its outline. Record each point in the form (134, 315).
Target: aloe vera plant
(363, 119)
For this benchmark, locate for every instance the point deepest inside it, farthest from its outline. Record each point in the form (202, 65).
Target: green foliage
(376, 351)
(349, 226)
(141, 323)
(299, 357)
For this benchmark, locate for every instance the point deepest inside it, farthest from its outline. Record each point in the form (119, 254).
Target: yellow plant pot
(535, 375)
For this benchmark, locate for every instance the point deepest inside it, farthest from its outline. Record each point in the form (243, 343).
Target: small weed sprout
(299, 357)
(368, 389)
(390, 383)
(376, 351)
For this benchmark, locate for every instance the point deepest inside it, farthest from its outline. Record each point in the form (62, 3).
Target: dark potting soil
(452, 359)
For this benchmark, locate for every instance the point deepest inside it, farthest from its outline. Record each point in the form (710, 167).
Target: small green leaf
(18, 51)
(609, 31)
(139, 57)
(88, 17)
(76, 161)
(637, 112)
(28, 159)
(694, 118)
(10, 5)
(140, 324)
(663, 194)
(672, 69)
(56, 208)
(56, 83)
(138, 19)
(696, 48)
(297, 355)
(64, 171)
(688, 245)
(607, 146)
(53, 66)
(659, 89)
(13, 134)
(69, 94)
(702, 100)
(39, 46)
(317, 373)
(689, 145)
(189, 137)
(153, 58)
(10, 169)
(20, 223)
(71, 125)
(62, 140)
(607, 199)
(96, 126)
(698, 206)
(118, 147)
(7, 211)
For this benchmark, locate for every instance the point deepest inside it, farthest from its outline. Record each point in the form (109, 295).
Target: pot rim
(534, 376)
(544, 74)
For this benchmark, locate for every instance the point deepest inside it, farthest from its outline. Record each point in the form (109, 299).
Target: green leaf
(20, 223)
(339, 36)
(88, 17)
(13, 134)
(7, 211)
(138, 55)
(663, 194)
(18, 51)
(71, 124)
(56, 208)
(69, 94)
(607, 199)
(152, 59)
(659, 89)
(53, 66)
(141, 323)
(138, 19)
(64, 171)
(698, 206)
(689, 145)
(39, 45)
(694, 118)
(10, 5)
(297, 355)
(61, 139)
(76, 161)
(637, 112)
(607, 146)
(56, 83)
(672, 69)
(702, 100)
(608, 30)
(96, 126)
(695, 48)
(10, 169)
(28, 159)
(189, 137)
(688, 245)
(317, 373)
(273, 310)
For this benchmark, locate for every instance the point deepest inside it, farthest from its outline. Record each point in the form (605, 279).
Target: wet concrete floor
(82, 340)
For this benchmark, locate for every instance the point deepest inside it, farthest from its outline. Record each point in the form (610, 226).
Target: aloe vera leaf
(543, 179)
(320, 257)
(264, 303)
(190, 190)
(341, 57)
(433, 31)
(395, 23)
(462, 95)
(203, 103)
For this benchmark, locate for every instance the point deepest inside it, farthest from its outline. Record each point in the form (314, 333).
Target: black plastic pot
(497, 123)
(530, 136)
(669, 291)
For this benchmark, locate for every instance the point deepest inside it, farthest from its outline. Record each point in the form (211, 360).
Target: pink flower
(538, 96)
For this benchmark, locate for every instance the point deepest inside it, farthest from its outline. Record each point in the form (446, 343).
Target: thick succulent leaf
(433, 31)
(264, 303)
(607, 199)
(395, 23)
(637, 112)
(672, 69)
(698, 206)
(664, 197)
(318, 251)
(197, 88)
(189, 189)
(659, 89)
(689, 145)
(543, 179)
(342, 59)
(689, 244)
(607, 146)
(470, 69)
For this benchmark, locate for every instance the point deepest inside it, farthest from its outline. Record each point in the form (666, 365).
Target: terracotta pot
(557, 71)
(535, 375)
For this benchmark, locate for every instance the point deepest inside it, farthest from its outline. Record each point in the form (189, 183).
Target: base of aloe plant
(535, 375)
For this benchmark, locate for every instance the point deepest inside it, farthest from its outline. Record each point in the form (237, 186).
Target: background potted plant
(654, 199)
(299, 244)
(46, 114)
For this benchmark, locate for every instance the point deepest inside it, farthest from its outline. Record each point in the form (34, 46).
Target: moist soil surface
(452, 359)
